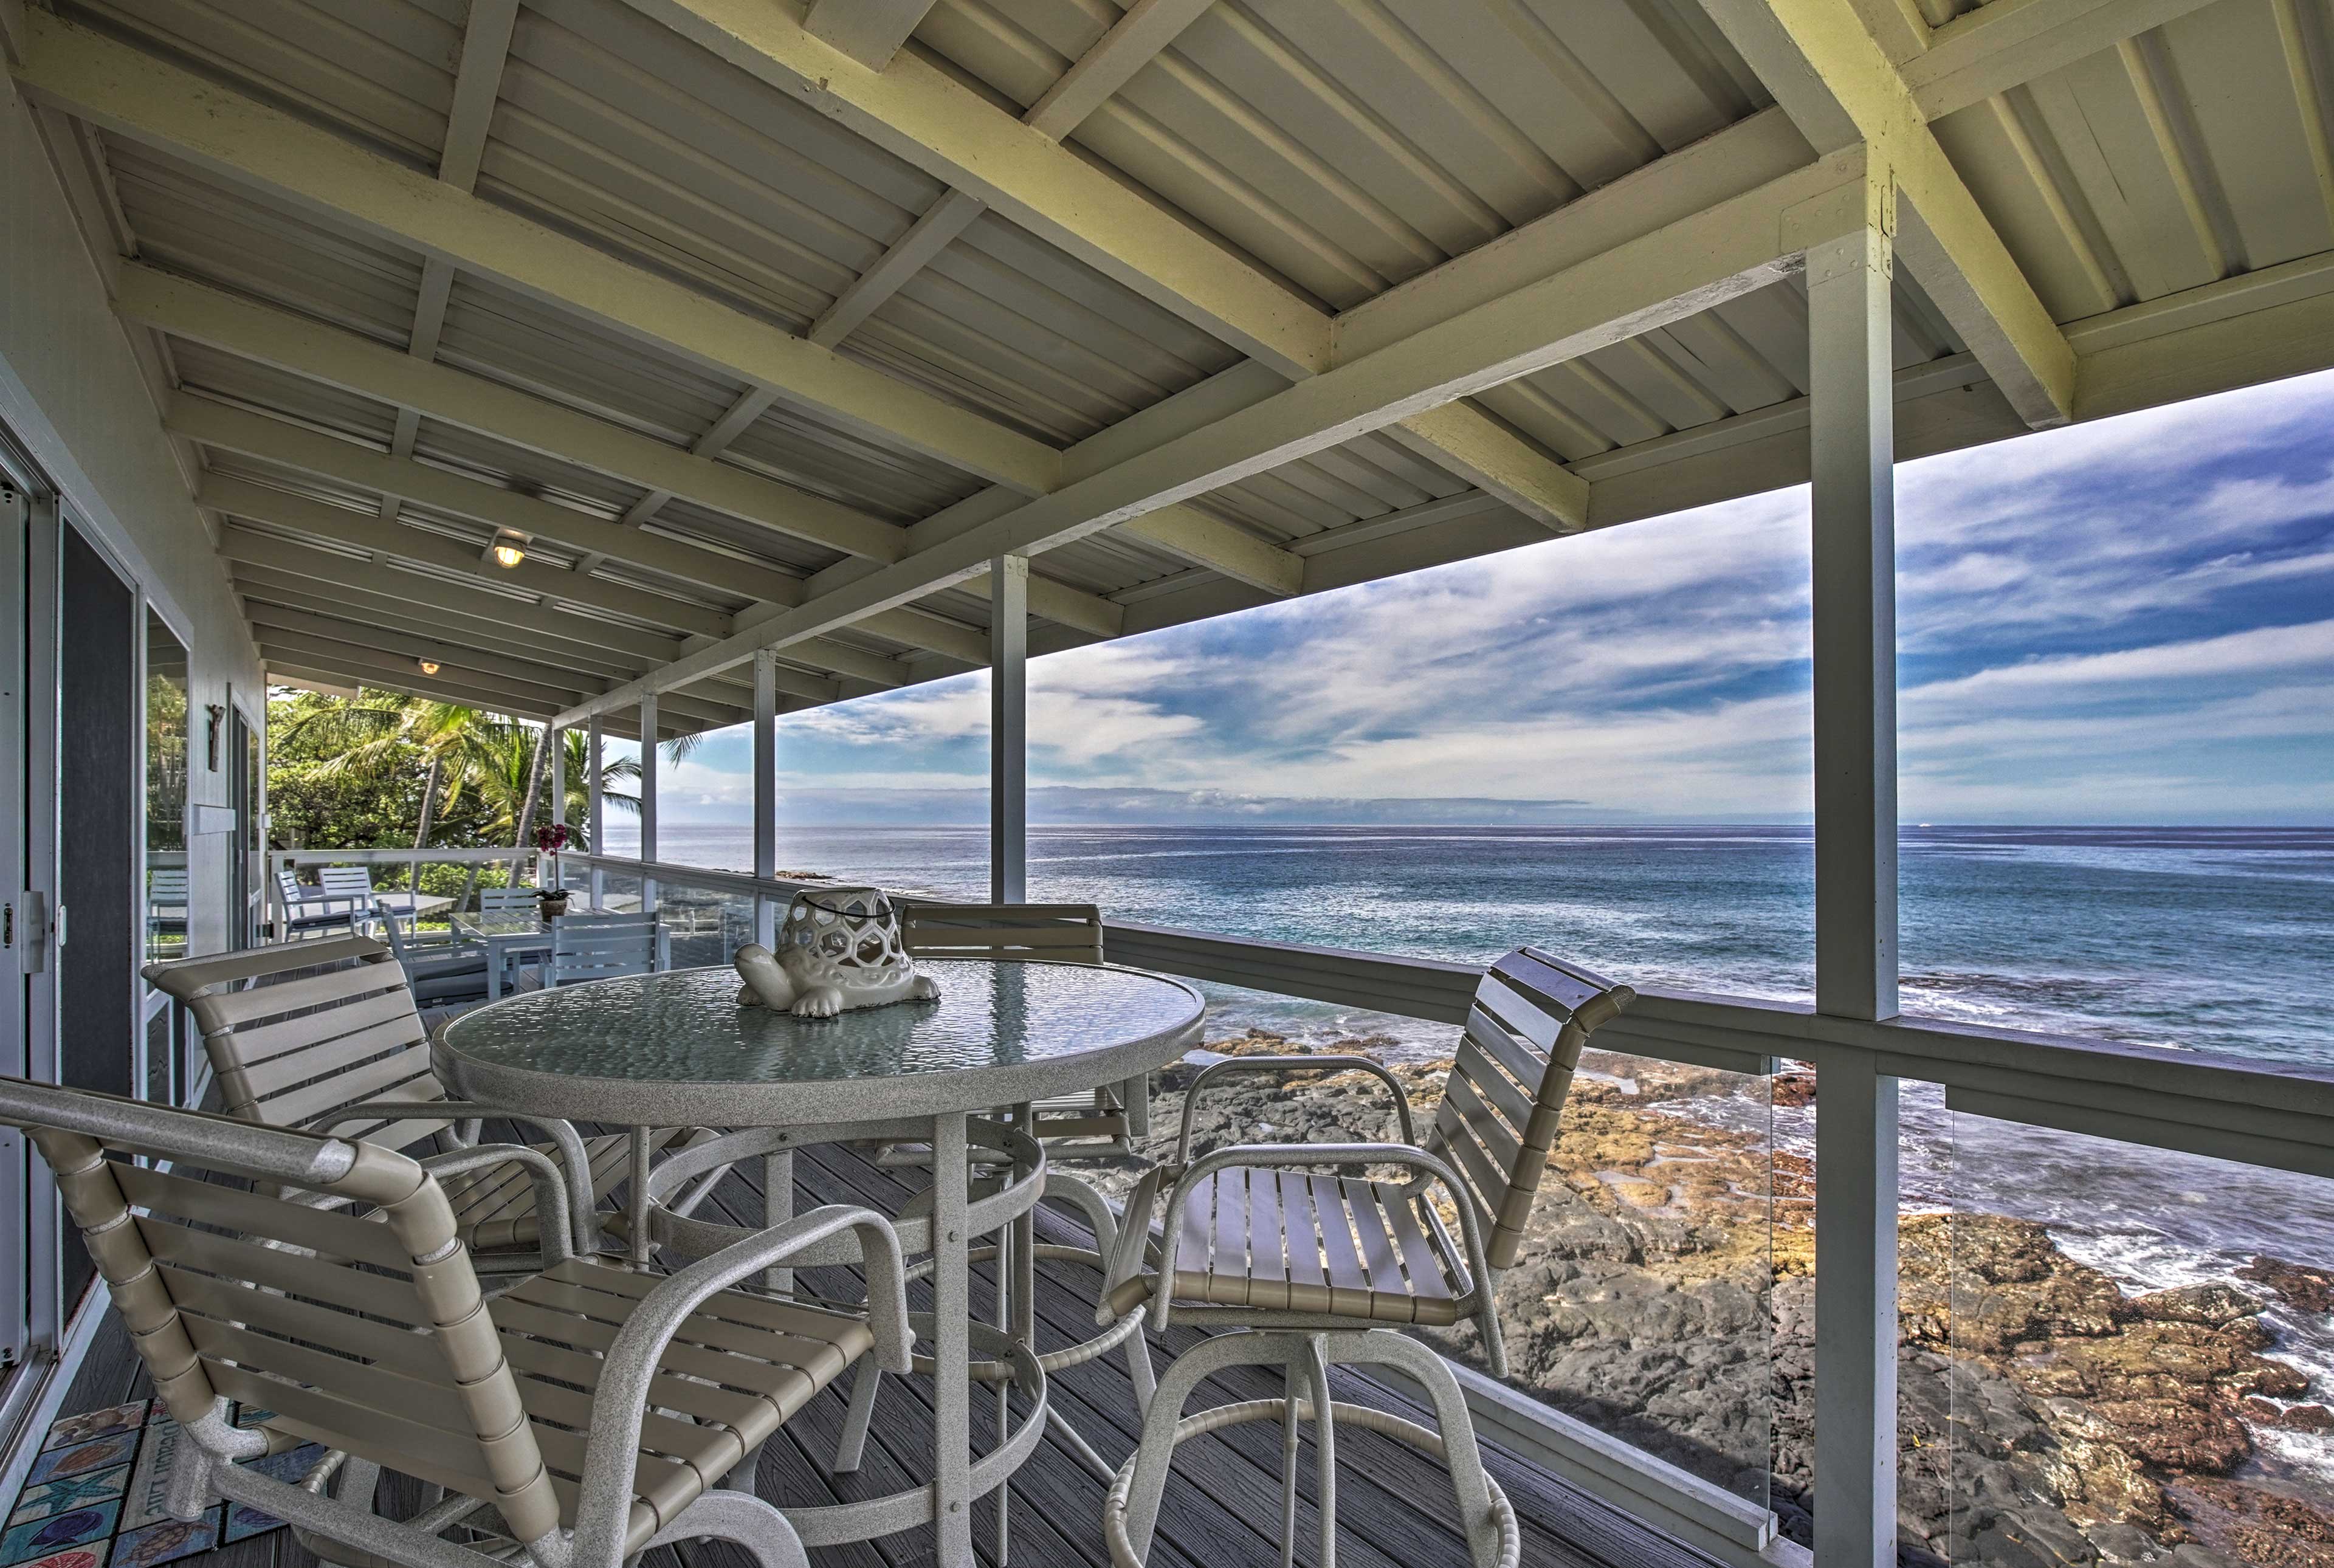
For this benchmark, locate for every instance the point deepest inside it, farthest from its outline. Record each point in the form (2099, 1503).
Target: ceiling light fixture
(428, 666)
(509, 551)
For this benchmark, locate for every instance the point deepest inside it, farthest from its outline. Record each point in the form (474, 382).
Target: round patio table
(676, 1050)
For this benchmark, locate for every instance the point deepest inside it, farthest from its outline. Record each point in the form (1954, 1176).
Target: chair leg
(1157, 1453)
(1324, 1443)
(1433, 1374)
(853, 1444)
(743, 1519)
(1291, 1435)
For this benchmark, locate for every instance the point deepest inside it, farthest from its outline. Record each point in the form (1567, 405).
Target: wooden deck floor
(1222, 1510)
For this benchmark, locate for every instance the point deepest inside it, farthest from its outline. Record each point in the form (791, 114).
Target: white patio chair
(310, 910)
(508, 901)
(578, 1419)
(439, 965)
(343, 1050)
(355, 884)
(1318, 1268)
(586, 947)
(166, 901)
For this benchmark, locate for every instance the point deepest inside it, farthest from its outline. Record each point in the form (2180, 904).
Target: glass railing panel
(705, 924)
(2137, 1352)
(1641, 1303)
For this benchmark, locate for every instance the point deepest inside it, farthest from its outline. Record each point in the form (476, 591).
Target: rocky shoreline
(2047, 1418)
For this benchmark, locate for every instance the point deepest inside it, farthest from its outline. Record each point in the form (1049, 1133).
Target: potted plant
(549, 840)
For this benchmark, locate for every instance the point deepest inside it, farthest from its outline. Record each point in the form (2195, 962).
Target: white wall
(71, 394)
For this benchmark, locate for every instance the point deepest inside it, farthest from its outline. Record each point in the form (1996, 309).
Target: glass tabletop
(502, 925)
(686, 1026)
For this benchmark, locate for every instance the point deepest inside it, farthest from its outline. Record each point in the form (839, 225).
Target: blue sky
(2126, 621)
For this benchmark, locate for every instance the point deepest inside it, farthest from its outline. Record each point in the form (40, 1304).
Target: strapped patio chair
(577, 1419)
(1317, 1268)
(439, 965)
(311, 910)
(1067, 1128)
(166, 900)
(516, 901)
(605, 947)
(343, 1050)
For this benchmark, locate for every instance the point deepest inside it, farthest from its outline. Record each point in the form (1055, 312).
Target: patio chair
(583, 1416)
(439, 965)
(1317, 1269)
(605, 947)
(343, 1050)
(311, 910)
(166, 901)
(508, 901)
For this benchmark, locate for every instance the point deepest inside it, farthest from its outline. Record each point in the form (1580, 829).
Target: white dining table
(676, 1049)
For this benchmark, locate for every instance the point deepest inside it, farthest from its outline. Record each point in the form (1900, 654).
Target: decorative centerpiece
(839, 949)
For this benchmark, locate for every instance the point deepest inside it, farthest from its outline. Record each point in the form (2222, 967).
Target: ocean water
(2201, 940)
(2205, 939)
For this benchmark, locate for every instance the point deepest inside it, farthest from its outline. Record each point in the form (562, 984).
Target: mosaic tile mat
(93, 1498)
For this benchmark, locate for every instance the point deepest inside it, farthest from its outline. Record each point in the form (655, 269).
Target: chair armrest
(621, 1399)
(557, 1227)
(563, 1134)
(1284, 1064)
(1126, 1260)
(1277, 1155)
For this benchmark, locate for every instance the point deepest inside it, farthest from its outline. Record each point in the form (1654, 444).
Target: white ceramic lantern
(839, 948)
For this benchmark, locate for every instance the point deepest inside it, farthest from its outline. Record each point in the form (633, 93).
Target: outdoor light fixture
(509, 551)
(428, 666)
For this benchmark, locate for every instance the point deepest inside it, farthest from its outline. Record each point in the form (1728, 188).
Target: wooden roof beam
(259, 504)
(991, 158)
(424, 619)
(149, 100)
(352, 362)
(870, 32)
(2009, 43)
(1677, 270)
(1840, 90)
(348, 462)
(312, 668)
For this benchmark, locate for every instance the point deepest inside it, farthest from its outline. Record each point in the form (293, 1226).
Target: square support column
(648, 800)
(1854, 506)
(766, 789)
(595, 814)
(555, 743)
(1008, 729)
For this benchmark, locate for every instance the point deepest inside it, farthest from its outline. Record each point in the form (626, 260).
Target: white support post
(554, 741)
(648, 800)
(1008, 729)
(595, 816)
(1854, 509)
(766, 790)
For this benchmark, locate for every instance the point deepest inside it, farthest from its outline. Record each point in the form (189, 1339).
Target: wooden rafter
(1841, 91)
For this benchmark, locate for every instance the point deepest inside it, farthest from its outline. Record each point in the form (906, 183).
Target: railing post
(1852, 411)
(766, 789)
(648, 801)
(1008, 729)
(595, 815)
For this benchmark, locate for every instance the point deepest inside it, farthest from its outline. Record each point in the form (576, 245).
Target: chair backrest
(1067, 933)
(599, 947)
(1497, 1121)
(289, 1053)
(507, 901)
(347, 882)
(230, 1290)
(166, 888)
(289, 886)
